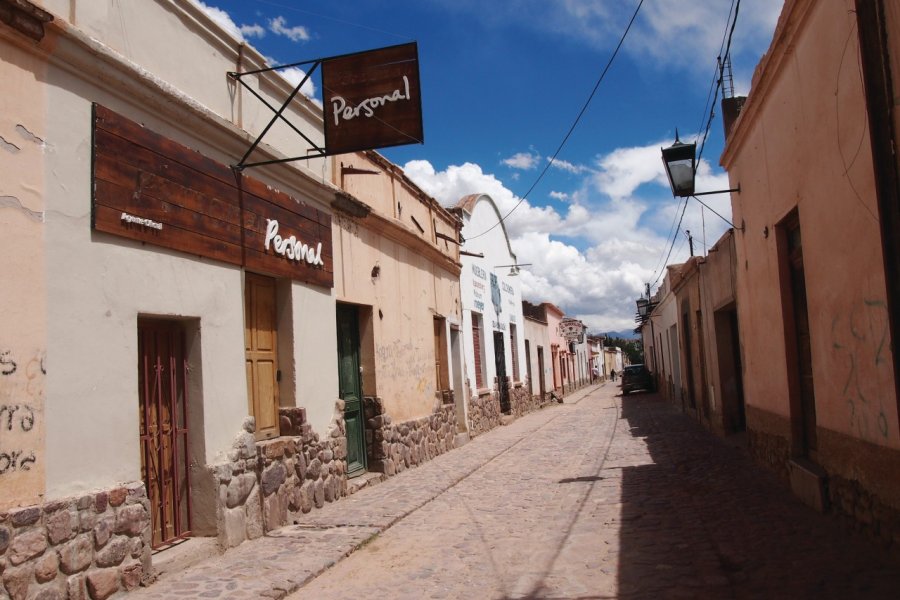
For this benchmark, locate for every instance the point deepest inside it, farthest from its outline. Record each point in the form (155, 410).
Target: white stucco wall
(476, 292)
(97, 285)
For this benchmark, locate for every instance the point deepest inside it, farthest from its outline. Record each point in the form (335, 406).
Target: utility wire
(721, 64)
(717, 74)
(714, 92)
(665, 262)
(572, 128)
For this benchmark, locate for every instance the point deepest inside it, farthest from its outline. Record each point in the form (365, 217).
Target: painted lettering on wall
(860, 341)
(366, 108)
(507, 288)
(479, 272)
(133, 220)
(22, 376)
(479, 306)
(291, 247)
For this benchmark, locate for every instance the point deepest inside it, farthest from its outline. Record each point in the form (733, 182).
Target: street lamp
(642, 305)
(513, 269)
(681, 169)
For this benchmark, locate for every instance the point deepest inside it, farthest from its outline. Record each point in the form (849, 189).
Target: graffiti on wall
(22, 377)
(399, 360)
(861, 340)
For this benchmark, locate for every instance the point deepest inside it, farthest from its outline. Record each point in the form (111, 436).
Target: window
(441, 372)
(513, 342)
(477, 342)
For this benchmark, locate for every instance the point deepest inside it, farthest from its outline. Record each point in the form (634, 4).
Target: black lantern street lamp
(680, 167)
(642, 305)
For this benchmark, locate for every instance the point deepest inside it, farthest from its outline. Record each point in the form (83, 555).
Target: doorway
(162, 393)
(542, 382)
(500, 364)
(261, 351)
(803, 404)
(350, 387)
(459, 384)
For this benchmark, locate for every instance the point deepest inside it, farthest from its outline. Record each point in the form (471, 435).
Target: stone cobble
(600, 497)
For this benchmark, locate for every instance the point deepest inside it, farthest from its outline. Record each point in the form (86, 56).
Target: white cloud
(593, 256)
(522, 160)
(297, 33)
(564, 165)
(255, 30)
(294, 76)
(561, 196)
(222, 19)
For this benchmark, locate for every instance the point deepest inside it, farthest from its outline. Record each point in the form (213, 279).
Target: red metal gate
(162, 376)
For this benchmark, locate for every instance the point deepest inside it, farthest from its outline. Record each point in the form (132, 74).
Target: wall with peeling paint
(77, 294)
(23, 339)
(403, 276)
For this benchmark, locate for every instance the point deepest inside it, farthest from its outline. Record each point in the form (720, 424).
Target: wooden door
(803, 360)
(261, 341)
(162, 393)
(350, 387)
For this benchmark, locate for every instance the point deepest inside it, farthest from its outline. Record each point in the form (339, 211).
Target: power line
(572, 128)
(721, 67)
(714, 93)
(677, 229)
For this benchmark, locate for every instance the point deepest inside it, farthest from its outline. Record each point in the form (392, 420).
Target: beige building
(169, 362)
(817, 256)
(399, 316)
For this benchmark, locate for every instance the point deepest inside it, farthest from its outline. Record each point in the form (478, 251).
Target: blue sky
(502, 83)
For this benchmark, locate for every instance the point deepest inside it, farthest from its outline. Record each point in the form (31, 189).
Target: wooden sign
(372, 99)
(151, 189)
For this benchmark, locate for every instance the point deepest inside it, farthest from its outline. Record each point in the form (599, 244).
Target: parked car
(636, 377)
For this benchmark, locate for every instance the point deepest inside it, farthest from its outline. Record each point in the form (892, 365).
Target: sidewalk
(286, 559)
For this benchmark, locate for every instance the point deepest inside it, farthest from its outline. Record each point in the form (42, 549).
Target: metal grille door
(164, 428)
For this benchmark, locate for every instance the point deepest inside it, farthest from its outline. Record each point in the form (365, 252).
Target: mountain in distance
(627, 334)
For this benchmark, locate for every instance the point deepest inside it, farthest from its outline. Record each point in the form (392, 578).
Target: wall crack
(15, 203)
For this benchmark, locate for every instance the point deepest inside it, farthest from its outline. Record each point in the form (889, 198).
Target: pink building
(817, 257)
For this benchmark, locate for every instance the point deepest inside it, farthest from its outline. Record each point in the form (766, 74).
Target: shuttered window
(479, 353)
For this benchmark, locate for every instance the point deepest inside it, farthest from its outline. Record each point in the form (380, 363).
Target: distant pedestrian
(612, 374)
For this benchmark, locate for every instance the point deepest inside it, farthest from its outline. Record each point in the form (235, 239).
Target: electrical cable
(717, 74)
(672, 246)
(737, 8)
(572, 128)
(659, 262)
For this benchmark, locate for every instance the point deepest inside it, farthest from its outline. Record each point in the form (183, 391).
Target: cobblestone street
(602, 497)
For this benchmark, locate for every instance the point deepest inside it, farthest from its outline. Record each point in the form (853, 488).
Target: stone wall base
(394, 447)
(266, 484)
(483, 412)
(85, 547)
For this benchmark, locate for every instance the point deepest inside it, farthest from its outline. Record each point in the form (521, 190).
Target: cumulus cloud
(564, 165)
(256, 30)
(522, 160)
(222, 19)
(294, 76)
(298, 33)
(561, 196)
(594, 255)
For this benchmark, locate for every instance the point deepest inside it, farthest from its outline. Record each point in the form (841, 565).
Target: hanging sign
(572, 330)
(372, 99)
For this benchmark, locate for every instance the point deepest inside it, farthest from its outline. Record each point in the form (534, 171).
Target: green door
(350, 387)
